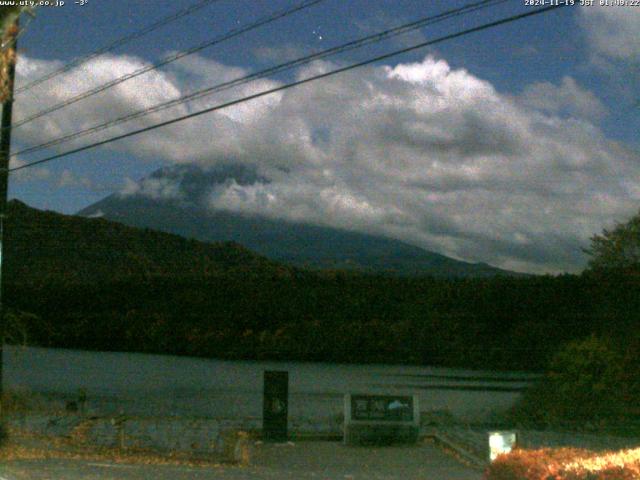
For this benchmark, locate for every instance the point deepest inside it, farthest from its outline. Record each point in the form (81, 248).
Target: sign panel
(381, 419)
(501, 442)
(275, 406)
(384, 408)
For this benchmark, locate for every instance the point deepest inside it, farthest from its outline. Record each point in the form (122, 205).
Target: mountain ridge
(44, 246)
(297, 244)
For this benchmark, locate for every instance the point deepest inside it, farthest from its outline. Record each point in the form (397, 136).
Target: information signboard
(381, 418)
(385, 408)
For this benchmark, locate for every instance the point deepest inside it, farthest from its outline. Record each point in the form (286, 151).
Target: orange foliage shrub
(565, 464)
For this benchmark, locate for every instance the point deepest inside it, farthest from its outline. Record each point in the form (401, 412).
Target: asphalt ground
(300, 460)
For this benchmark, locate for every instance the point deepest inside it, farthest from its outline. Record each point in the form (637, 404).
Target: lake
(162, 385)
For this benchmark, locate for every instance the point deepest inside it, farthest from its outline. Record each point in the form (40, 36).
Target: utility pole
(5, 151)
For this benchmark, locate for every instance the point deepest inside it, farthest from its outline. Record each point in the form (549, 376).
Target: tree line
(501, 323)
(91, 284)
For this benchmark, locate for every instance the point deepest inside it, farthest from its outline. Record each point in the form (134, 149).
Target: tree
(617, 249)
(583, 385)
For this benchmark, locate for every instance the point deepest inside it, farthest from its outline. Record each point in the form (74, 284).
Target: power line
(462, 33)
(172, 58)
(118, 43)
(279, 68)
(378, 37)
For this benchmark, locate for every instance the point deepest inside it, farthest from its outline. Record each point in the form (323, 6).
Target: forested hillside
(47, 247)
(93, 284)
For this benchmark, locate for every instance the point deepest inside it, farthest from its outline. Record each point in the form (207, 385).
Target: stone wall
(175, 434)
(197, 435)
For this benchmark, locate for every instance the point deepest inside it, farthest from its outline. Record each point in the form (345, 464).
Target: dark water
(159, 385)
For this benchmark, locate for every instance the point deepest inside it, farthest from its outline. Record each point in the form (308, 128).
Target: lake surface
(163, 385)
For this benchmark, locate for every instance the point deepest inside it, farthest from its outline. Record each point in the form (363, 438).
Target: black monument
(275, 407)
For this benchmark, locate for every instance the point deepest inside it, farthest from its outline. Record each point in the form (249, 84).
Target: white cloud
(331, 205)
(421, 152)
(568, 97)
(612, 41)
(613, 32)
(152, 187)
(97, 214)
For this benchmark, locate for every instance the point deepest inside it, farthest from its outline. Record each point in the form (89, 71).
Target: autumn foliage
(565, 464)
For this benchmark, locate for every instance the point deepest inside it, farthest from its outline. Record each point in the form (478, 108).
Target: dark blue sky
(540, 48)
(527, 61)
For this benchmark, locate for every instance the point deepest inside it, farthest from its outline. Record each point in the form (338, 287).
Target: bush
(583, 386)
(630, 376)
(532, 464)
(565, 464)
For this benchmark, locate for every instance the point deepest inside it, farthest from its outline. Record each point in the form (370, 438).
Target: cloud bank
(418, 151)
(613, 33)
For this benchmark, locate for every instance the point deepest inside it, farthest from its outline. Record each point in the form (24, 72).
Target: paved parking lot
(302, 460)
